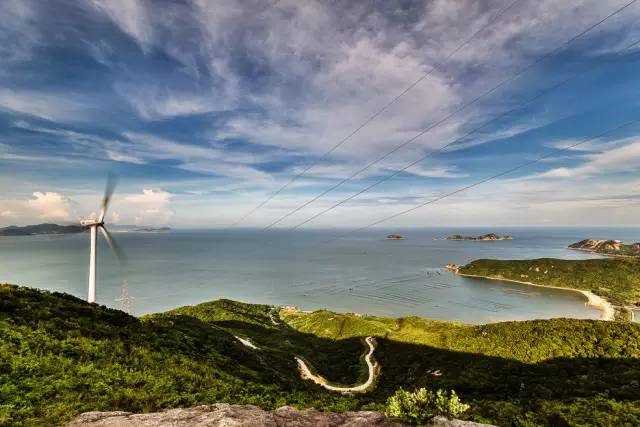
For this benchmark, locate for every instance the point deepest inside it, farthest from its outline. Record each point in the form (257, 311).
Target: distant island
(39, 229)
(607, 247)
(32, 230)
(395, 237)
(485, 237)
(139, 229)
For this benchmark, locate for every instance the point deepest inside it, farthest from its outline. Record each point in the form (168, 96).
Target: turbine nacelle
(90, 222)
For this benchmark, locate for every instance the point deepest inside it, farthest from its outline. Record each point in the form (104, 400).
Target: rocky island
(395, 237)
(607, 247)
(484, 237)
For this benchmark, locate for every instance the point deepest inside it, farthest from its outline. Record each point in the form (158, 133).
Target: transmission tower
(126, 301)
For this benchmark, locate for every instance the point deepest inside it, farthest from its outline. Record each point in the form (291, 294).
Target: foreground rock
(225, 415)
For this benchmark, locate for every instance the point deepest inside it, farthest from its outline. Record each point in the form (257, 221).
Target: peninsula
(613, 285)
(32, 230)
(607, 247)
(484, 237)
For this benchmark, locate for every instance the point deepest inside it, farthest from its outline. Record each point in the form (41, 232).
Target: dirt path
(306, 373)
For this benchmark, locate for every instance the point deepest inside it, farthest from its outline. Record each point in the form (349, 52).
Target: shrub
(422, 405)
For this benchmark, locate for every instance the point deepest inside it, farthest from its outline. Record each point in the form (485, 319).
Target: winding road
(306, 373)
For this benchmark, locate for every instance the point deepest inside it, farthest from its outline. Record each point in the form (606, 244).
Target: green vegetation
(60, 356)
(423, 405)
(617, 280)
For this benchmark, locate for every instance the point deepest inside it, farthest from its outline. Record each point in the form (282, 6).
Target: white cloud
(151, 207)
(18, 32)
(621, 159)
(153, 103)
(48, 106)
(50, 205)
(131, 16)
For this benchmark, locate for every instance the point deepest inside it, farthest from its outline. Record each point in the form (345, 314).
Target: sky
(203, 109)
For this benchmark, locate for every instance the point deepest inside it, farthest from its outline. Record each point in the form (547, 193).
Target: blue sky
(204, 108)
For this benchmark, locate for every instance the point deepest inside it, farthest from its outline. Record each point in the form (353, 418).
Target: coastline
(591, 251)
(593, 300)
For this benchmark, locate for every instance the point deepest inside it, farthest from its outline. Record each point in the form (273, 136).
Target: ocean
(363, 273)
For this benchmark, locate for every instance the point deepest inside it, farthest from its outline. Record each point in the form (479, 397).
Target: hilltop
(607, 247)
(30, 230)
(60, 356)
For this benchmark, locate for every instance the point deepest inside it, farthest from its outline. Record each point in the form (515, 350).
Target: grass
(60, 356)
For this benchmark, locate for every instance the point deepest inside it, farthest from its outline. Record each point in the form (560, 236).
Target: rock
(226, 415)
(607, 247)
(395, 237)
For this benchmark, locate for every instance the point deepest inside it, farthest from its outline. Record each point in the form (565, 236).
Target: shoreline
(593, 300)
(591, 251)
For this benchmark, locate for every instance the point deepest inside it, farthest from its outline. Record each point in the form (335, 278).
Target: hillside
(30, 230)
(607, 247)
(60, 356)
(617, 280)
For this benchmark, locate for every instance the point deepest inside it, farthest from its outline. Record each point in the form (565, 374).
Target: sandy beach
(593, 300)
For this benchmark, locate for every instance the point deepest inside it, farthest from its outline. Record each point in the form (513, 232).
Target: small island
(395, 237)
(33, 230)
(608, 247)
(485, 237)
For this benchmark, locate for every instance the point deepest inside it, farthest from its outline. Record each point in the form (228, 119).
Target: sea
(310, 269)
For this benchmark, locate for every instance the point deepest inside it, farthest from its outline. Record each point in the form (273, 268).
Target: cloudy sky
(205, 108)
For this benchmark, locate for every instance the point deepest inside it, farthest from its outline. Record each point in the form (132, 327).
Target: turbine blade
(108, 192)
(114, 246)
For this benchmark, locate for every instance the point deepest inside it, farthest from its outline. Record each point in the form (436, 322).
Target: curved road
(306, 373)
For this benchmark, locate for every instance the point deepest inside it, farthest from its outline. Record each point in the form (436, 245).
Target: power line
(459, 109)
(462, 138)
(491, 178)
(377, 113)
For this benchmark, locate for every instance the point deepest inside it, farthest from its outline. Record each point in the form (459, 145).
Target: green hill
(60, 356)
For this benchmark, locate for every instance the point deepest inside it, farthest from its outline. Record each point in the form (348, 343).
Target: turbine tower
(94, 225)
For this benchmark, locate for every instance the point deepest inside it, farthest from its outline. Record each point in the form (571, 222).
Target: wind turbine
(94, 225)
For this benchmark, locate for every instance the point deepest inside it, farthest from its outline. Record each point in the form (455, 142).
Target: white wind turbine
(94, 225)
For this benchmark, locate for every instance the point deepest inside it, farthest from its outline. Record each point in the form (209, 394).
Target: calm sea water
(363, 273)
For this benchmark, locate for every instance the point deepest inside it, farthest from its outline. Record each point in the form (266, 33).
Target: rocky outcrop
(395, 237)
(225, 415)
(607, 247)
